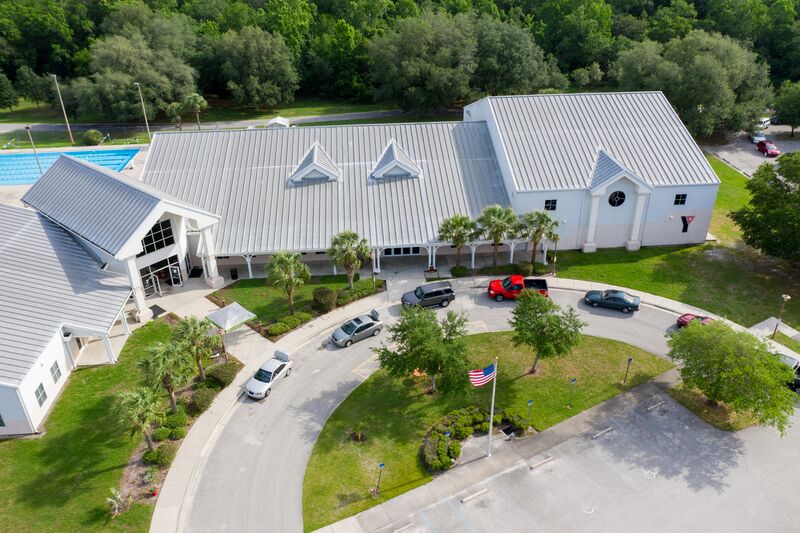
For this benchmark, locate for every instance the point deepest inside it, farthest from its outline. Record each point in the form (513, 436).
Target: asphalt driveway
(742, 155)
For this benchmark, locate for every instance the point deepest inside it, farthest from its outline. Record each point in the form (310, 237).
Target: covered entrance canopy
(230, 317)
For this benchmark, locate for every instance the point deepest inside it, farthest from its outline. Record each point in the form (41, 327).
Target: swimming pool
(21, 169)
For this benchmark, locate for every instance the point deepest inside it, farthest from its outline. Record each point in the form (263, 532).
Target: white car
(757, 136)
(763, 123)
(260, 385)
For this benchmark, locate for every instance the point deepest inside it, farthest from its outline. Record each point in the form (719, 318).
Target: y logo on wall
(686, 221)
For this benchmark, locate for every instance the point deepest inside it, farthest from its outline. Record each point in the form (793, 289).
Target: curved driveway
(252, 479)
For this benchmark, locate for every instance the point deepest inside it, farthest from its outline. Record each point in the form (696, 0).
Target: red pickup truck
(500, 289)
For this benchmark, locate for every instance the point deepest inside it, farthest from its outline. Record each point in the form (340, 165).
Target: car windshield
(418, 293)
(506, 283)
(770, 146)
(264, 376)
(349, 327)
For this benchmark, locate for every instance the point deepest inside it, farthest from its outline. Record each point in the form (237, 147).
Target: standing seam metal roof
(242, 176)
(551, 140)
(49, 280)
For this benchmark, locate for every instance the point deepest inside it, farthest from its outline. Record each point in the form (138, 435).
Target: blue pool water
(21, 169)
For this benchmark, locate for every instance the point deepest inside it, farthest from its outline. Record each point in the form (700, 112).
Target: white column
(544, 253)
(633, 242)
(590, 245)
(433, 258)
(124, 319)
(472, 248)
(430, 251)
(249, 259)
(334, 269)
(143, 313)
(67, 345)
(213, 279)
(109, 349)
(378, 260)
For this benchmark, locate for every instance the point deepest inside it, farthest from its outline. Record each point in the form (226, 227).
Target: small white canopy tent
(229, 318)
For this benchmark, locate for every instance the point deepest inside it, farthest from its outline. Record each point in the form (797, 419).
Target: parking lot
(740, 153)
(657, 470)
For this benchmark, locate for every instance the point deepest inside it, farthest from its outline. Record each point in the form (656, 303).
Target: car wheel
(348, 344)
(376, 332)
(595, 305)
(288, 371)
(267, 393)
(499, 298)
(626, 310)
(445, 303)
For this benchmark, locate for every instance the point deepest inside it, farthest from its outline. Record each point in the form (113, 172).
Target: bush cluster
(176, 420)
(91, 138)
(500, 270)
(224, 373)
(462, 423)
(459, 271)
(361, 289)
(286, 324)
(160, 434)
(161, 456)
(323, 299)
(202, 398)
(526, 268)
(177, 433)
(336, 278)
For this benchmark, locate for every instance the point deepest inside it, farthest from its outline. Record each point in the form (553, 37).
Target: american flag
(482, 376)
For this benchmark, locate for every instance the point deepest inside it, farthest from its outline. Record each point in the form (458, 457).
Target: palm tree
(138, 410)
(497, 223)
(535, 226)
(195, 104)
(553, 236)
(288, 272)
(349, 250)
(168, 366)
(192, 333)
(460, 230)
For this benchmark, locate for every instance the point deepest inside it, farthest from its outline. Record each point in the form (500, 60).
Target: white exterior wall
(569, 206)
(13, 413)
(614, 223)
(663, 219)
(40, 373)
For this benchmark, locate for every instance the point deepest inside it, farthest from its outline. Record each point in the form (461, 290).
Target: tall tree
(736, 368)
(195, 104)
(168, 366)
(577, 32)
(771, 221)
(350, 250)
(138, 410)
(460, 230)
(536, 226)
(8, 96)
(554, 236)
(421, 342)
(193, 334)
(35, 88)
(543, 326)
(497, 223)
(287, 271)
(673, 20)
(337, 61)
(787, 104)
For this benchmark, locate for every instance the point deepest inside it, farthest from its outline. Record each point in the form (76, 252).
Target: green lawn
(59, 482)
(27, 112)
(788, 342)
(18, 139)
(395, 415)
(219, 110)
(732, 195)
(436, 117)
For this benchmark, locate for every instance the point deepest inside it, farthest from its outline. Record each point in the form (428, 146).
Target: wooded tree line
(717, 60)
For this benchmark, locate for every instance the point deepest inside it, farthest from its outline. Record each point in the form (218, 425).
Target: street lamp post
(35, 154)
(571, 390)
(786, 298)
(144, 111)
(625, 379)
(63, 109)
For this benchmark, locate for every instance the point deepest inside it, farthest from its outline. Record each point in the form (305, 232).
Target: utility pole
(786, 298)
(144, 111)
(36, 155)
(63, 110)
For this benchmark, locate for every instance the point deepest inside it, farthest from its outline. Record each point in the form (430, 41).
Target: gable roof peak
(316, 165)
(394, 162)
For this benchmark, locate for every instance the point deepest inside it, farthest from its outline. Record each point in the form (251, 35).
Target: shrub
(526, 268)
(162, 456)
(277, 329)
(201, 399)
(160, 434)
(224, 373)
(500, 270)
(461, 423)
(91, 138)
(323, 299)
(459, 271)
(290, 321)
(361, 289)
(335, 278)
(177, 433)
(177, 420)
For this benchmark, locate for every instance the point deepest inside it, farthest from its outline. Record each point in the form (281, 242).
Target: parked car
(261, 384)
(358, 328)
(763, 123)
(613, 299)
(795, 365)
(510, 287)
(686, 319)
(774, 120)
(768, 148)
(757, 136)
(436, 293)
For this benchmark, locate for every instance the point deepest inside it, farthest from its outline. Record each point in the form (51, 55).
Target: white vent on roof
(395, 163)
(315, 166)
(278, 122)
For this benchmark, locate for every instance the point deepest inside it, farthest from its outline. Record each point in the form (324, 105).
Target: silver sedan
(357, 329)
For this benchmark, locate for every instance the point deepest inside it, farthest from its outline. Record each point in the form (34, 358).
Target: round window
(616, 199)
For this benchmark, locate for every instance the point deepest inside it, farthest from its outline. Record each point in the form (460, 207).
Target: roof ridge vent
(315, 166)
(395, 163)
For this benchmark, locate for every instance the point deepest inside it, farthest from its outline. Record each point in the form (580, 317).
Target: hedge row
(523, 268)
(436, 454)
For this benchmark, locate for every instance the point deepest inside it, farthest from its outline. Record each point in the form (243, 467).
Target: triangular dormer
(608, 169)
(315, 166)
(395, 163)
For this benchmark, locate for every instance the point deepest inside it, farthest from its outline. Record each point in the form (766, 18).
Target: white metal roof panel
(49, 280)
(242, 175)
(552, 139)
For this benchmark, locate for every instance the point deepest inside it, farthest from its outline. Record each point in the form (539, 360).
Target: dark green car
(612, 299)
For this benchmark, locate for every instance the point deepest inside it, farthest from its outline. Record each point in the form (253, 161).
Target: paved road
(742, 155)
(252, 479)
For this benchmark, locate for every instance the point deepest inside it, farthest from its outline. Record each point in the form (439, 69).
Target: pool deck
(11, 194)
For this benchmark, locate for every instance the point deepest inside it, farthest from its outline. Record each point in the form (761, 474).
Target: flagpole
(491, 412)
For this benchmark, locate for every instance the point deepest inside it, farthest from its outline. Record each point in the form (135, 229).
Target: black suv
(437, 293)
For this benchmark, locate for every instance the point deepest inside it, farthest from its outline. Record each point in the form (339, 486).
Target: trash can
(234, 274)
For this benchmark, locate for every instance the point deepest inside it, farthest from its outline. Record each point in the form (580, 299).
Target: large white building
(615, 170)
